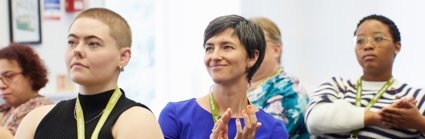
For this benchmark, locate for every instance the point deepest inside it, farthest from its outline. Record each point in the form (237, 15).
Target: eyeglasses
(377, 39)
(7, 77)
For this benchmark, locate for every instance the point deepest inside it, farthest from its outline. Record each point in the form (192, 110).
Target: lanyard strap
(374, 99)
(214, 108)
(377, 96)
(80, 116)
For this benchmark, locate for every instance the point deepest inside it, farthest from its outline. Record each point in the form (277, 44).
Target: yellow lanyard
(374, 99)
(214, 108)
(80, 117)
(377, 96)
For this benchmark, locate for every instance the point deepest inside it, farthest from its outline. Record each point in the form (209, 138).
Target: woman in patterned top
(273, 90)
(22, 76)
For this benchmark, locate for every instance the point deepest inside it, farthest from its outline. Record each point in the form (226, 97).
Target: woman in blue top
(234, 49)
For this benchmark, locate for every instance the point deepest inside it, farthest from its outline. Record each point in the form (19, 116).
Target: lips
(216, 66)
(4, 94)
(78, 64)
(369, 57)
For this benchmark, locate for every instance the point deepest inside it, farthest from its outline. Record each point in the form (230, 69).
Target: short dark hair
(29, 61)
(250, 34)
(395, 33)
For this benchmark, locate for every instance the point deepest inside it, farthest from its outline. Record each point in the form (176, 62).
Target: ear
(125, 55)
(397, 47)
(253, 60)
(277, 51)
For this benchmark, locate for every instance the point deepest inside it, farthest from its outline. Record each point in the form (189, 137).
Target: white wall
(317, 35)
(4, 24)
(180, 26)
(52, 49)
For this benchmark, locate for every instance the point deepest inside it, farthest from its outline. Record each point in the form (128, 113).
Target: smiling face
(226, 58)
(375, 49)
(93, 56)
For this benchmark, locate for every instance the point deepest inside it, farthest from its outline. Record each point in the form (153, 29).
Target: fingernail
(249, 106)
(243, 111)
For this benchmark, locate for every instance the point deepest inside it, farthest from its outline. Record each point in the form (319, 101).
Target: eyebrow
(86, 38)
(221, 43)
(5, 72)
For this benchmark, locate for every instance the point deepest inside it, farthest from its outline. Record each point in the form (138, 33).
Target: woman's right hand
(220, 129)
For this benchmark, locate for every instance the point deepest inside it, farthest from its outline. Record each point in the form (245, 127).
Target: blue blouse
(188, 120)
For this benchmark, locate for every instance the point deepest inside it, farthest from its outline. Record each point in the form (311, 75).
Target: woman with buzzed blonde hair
(99, 43)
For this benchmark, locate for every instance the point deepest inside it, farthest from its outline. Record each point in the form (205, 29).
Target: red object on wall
(74, 5)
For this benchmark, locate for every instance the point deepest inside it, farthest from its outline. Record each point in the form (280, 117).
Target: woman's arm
(137, 122)
(29, 124)
(5, 133)
(328, 112)
(336, 117)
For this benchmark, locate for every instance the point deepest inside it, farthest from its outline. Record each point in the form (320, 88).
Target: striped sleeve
(328, 113)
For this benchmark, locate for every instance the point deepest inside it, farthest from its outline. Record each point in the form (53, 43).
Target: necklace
(105, 113)
(88, 121)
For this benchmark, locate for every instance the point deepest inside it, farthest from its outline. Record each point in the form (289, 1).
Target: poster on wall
(52, 10)
(24, 19)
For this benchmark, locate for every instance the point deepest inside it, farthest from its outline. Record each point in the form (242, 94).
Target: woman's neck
(34, 94)
(382, 76)
(233, 97)
(96, 89)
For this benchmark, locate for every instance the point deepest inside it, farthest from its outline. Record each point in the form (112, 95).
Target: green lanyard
(214, 108)
(374, 99)
(80, 117)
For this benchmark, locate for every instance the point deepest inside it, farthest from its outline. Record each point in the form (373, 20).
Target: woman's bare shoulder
(136, 122)
(29, 124)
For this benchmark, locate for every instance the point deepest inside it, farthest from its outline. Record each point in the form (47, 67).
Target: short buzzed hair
(119, 28)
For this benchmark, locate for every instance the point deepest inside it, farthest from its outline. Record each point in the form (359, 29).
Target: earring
(121, 68)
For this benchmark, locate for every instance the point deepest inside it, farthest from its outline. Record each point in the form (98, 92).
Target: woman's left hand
(403, 114)
(251, 124)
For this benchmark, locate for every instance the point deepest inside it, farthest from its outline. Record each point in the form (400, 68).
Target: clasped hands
(220, 130)
(402, 114)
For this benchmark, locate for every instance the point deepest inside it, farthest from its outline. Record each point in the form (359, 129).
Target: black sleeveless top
(60, 122)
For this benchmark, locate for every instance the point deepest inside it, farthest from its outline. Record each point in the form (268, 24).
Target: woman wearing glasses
(342, 108)
(22, 75)
(99, 43)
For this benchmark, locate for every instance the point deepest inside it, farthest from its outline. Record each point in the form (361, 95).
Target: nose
(3, 85)
(216, 55)
(78, 53)
(369, 45)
